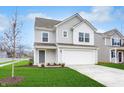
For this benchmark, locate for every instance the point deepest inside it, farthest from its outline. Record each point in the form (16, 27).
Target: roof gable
(112, 32)
(69, 18)
(82, 20)
(88, 23)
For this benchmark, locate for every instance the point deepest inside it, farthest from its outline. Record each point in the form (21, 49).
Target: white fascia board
(69, 19)
(88, 23)
(43, 28)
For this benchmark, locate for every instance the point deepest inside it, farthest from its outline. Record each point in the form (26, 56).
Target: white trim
(43, 28)
(35, 57)
(121, 56)
(46, 47)
(86, 22)
(45, 55)
(76, 47)
(63, 33)
(84, 36)
(69, 19)
(114, 40)
(75, 26)
(42, 37)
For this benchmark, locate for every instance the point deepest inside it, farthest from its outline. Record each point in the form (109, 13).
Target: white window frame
(42, 37)
(63, 34)
(121, 55)
(85, 37)
(114, 40)
(113, 52)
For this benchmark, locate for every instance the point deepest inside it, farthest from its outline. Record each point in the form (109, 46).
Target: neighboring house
(111, 46)
(70, 41)
(3, 54)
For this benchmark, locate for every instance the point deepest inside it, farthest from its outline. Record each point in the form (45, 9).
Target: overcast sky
(103, 18)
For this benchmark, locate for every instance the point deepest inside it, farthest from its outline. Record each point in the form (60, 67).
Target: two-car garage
(79, 56)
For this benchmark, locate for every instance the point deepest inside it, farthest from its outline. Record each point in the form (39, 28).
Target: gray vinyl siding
(51, 36)
(50, 56)
(103, 51)
(108, 41)
(67, 26)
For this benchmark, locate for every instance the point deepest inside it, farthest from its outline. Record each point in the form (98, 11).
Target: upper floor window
(116, 42)
(65, 34)
(45, 37)
(87, 37)
(81, 37)
(84, 37)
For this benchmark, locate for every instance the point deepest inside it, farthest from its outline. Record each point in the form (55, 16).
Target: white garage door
(79, 57)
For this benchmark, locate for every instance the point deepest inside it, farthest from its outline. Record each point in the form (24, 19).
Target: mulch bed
(10, 80)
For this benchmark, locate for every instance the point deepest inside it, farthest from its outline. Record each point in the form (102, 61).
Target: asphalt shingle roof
(47, 23)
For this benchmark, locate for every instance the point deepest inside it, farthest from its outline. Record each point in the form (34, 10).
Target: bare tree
(24, 51)
(21, 50)
(11, 37)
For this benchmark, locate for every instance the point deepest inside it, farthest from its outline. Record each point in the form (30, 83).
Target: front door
(120, 56)
(41, 56)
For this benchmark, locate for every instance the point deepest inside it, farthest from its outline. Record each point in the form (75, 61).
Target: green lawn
(113, 65)
(50, 77)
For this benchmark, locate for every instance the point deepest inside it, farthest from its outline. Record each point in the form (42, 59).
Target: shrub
(31, 61)
(63, 64)
(55, 64)
(48, 64)
(42, 65)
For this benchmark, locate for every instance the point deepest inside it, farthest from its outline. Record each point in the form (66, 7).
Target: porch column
(115, 55)
(35, 57)
(57, 55)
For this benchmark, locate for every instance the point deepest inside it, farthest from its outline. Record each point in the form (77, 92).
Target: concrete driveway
(107, 76)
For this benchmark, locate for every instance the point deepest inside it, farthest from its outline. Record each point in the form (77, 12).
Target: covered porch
(117, 55)
(44, 54)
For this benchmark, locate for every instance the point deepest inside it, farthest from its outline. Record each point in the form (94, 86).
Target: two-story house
(70, 41)
(111, 46)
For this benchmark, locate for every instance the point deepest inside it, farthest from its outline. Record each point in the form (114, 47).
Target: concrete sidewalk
(107, 76)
